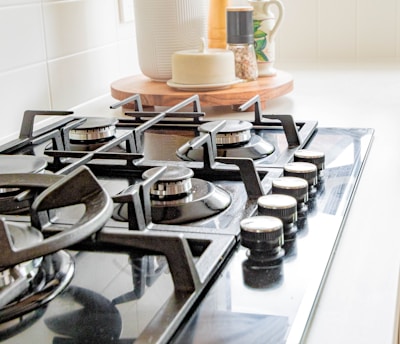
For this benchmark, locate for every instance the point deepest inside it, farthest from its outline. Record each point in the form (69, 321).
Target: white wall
(339, 30)
(56, 54)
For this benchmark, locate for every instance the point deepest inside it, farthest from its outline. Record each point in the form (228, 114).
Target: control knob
(263, 236)
(295, 187)
(305, 170)
(283, 207)
(314, 157)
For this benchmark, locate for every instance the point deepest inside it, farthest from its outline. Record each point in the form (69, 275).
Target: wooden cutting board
(153, 93)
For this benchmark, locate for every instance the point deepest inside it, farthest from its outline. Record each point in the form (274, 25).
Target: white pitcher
(166, 26)
(265, 27)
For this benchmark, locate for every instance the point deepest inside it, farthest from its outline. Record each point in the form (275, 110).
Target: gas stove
(162, 226)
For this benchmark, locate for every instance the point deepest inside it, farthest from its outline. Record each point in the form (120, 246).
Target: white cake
(203, 67)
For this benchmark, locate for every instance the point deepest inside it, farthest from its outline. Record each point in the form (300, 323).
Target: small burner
(176, 198)
(233, 140)
(94, 130)
(174, 183)
(234, 132)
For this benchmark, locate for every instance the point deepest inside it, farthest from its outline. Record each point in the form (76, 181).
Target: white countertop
(358, 301)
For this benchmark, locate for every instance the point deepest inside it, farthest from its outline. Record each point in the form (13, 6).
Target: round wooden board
(154, 93)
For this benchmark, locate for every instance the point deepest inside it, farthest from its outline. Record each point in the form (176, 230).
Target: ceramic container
(166, 26)
(266, 25)
(203, 66)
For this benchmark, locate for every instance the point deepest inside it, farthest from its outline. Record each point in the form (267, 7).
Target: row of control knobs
(280, 212)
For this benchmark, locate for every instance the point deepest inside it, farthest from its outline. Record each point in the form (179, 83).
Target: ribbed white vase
(166, 26)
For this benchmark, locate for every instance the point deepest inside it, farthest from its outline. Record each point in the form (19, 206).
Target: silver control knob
(292, 186)
(263, 235)
(283, 207)
(314, 157)
(303, 170)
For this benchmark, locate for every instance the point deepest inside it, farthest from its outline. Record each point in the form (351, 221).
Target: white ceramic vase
(166, 26)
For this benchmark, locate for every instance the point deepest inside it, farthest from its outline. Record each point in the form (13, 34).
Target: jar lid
(239, 21)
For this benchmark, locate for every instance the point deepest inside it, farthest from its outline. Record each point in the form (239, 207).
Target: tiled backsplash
(56, 54)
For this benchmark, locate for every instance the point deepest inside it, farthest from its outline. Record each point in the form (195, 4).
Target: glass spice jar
(240, 39)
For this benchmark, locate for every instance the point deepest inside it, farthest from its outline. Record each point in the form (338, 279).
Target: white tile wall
(72, 27)
(351, 30)
(21, 36)
(56, 54)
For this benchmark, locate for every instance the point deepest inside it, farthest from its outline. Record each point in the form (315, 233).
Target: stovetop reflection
(103, 304)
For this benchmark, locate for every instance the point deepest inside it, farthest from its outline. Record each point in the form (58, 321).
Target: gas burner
(234, 132)
(175, 183)
(17, 164)
(94, 130)
(16, 280)
(233, 140)
(34, 267)
(53, 275)
(178, 198)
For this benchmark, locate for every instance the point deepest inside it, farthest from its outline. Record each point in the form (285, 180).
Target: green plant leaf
(259, 34)
(262, 43)
(261, 56)
(256, 24)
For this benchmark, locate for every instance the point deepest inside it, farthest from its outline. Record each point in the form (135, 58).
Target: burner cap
(233, 132)
(94, 129)
(175, 181)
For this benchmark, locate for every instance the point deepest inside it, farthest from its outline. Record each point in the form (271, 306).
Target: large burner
(53, 275)
(29, 285)
(178, 198)
(33, 267)
(16, 280)
(233, 140)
